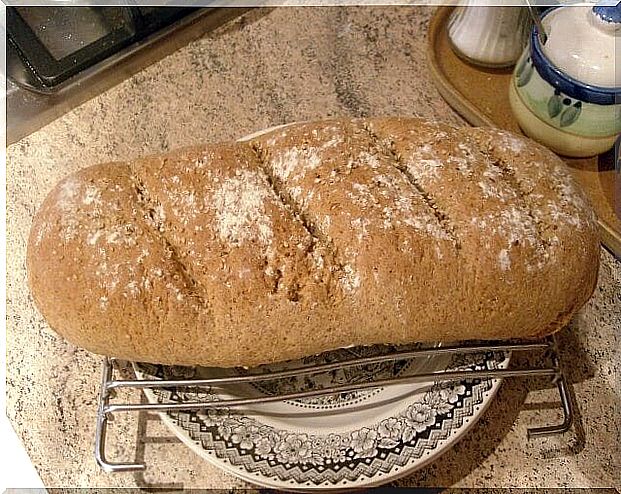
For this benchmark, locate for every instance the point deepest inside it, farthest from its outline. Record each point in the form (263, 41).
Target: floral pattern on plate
(376, 448)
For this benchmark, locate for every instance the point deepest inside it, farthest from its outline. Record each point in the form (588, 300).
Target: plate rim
(366, 482)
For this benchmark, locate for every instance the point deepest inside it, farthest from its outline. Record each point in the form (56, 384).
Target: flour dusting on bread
(241, 215)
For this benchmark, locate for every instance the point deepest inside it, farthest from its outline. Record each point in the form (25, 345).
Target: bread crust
(313, 237)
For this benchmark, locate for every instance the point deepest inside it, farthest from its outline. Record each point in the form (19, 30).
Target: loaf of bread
(313, 237)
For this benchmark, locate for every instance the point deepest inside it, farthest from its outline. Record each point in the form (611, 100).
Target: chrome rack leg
(566, 402)
(102, 428)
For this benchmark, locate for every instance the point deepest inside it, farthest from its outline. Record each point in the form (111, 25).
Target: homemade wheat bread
(313, 237)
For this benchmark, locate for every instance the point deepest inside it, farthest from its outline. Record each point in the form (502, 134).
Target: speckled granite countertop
(267, 68)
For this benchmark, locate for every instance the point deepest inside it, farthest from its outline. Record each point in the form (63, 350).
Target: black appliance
(60, 56)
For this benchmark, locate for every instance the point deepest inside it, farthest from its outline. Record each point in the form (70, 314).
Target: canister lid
(581, 42)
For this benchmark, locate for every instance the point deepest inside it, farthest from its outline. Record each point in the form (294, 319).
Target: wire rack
(551, 368)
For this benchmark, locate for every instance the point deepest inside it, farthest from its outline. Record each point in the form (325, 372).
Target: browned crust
(314, 237)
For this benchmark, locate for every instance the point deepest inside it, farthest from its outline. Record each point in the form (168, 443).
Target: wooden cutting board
(481, 96)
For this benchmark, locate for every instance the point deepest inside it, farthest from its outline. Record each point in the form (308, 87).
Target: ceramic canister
(564, 94)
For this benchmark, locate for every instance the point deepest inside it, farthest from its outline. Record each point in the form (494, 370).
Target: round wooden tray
(481, 96)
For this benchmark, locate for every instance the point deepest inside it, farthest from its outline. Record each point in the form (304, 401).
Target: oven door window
(55, 43)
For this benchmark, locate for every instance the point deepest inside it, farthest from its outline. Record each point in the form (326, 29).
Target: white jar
(488, 36)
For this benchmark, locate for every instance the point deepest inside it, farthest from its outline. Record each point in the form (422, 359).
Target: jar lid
(581, 42)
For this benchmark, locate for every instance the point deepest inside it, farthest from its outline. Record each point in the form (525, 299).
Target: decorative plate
(355, 439)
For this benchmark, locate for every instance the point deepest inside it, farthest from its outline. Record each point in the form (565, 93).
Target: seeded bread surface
(313, 237)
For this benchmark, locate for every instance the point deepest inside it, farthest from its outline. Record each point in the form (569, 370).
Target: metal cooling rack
(548, 347)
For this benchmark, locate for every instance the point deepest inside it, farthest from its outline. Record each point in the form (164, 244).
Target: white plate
(357, 439)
